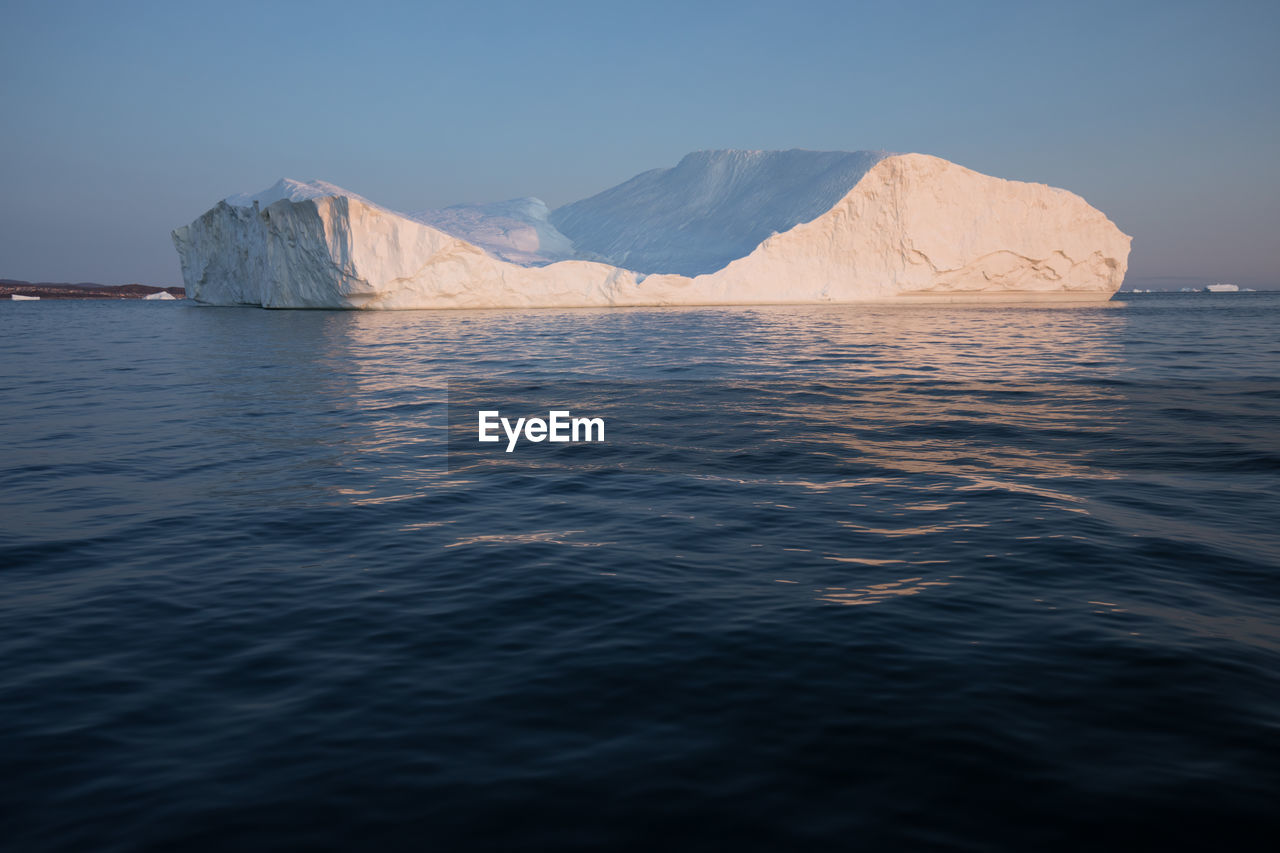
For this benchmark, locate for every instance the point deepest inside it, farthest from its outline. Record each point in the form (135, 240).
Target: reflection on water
(390, 351)
(878, 592)
(909, 419)
(555, 537)
(391, 372)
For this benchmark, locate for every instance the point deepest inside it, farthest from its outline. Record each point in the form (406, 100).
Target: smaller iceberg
(1222, 288)
(164, 294)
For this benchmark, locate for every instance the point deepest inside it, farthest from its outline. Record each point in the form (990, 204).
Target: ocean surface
(847, 578)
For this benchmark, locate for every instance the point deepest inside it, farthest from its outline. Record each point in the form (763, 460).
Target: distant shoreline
(83, 290)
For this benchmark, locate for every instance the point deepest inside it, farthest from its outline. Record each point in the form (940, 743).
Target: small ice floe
(18, 297)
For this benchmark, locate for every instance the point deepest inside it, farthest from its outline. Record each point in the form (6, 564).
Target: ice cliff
(720, 228)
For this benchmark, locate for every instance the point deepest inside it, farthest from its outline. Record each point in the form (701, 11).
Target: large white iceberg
(720, 228)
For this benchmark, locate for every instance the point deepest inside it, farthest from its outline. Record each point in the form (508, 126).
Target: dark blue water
(858, 578)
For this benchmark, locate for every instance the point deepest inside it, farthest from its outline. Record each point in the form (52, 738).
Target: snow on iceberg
(519, 231)
(720, 228)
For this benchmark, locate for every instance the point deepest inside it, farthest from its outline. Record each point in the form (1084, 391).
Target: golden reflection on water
(1014, 371)
(390, 350)
(879, 592)
(552, 537)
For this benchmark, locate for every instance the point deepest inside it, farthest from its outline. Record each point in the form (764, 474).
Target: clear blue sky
(121, 121)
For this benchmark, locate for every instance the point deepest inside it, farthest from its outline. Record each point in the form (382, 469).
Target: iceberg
(719, 228)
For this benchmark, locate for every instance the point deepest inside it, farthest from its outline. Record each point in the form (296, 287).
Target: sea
(836, 578)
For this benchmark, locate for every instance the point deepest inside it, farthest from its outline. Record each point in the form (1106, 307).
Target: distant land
(82, 290)
(1186, 283)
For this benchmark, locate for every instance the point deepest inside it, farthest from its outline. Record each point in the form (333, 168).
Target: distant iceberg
(18, 297)
(1222, 288)
(719, 228)
(160, 295)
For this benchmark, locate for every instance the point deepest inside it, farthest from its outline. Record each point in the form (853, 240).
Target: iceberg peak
(288, 189)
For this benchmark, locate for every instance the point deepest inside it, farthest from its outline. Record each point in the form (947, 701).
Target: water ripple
(254, 600)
